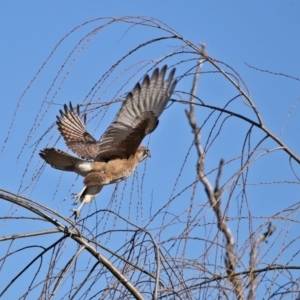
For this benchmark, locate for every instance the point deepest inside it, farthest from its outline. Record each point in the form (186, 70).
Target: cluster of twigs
(81, 260)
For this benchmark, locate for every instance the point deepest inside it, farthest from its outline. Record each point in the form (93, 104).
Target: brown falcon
(117, 154)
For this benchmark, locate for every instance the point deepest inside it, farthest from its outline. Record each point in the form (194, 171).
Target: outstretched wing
(75, 134)
(137, 117)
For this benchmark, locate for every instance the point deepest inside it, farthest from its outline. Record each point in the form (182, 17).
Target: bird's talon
(75, 213)
(76, 197)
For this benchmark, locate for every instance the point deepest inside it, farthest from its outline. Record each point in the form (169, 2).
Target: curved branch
(79, 239)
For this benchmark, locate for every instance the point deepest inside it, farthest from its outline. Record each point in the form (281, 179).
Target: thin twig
(79, 239)
(262, 238)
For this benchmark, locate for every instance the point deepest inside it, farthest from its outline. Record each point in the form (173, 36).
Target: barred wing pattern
(137, 117)
(75, 134)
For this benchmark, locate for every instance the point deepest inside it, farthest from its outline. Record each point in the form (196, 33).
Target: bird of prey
(116, 155)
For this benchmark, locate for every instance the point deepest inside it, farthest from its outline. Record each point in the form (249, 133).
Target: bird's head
(142, 153)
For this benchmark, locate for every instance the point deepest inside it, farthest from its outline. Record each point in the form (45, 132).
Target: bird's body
(97, 174)
(116, 156)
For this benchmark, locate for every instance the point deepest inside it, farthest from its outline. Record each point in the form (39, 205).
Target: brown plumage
(117, 154)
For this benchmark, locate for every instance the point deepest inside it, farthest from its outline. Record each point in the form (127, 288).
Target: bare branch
(253, 255)
(214, 195)
(79, 239)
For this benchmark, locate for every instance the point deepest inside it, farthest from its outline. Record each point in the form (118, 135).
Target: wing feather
(75, 134)
(138, 116)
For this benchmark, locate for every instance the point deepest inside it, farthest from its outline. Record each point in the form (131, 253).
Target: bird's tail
(60, 160)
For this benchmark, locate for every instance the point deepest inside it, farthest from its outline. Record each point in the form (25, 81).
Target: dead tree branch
(214, 194)
(262, 238)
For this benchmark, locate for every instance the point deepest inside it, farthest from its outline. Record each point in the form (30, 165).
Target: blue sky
(262, 34)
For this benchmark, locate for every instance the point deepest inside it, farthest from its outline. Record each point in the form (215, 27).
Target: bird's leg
(86, 195)
(79, 195)
(76, 211)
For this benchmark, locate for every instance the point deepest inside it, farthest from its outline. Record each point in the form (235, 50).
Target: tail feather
(59, 159)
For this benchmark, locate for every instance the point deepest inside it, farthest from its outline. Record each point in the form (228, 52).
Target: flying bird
(116, 155)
